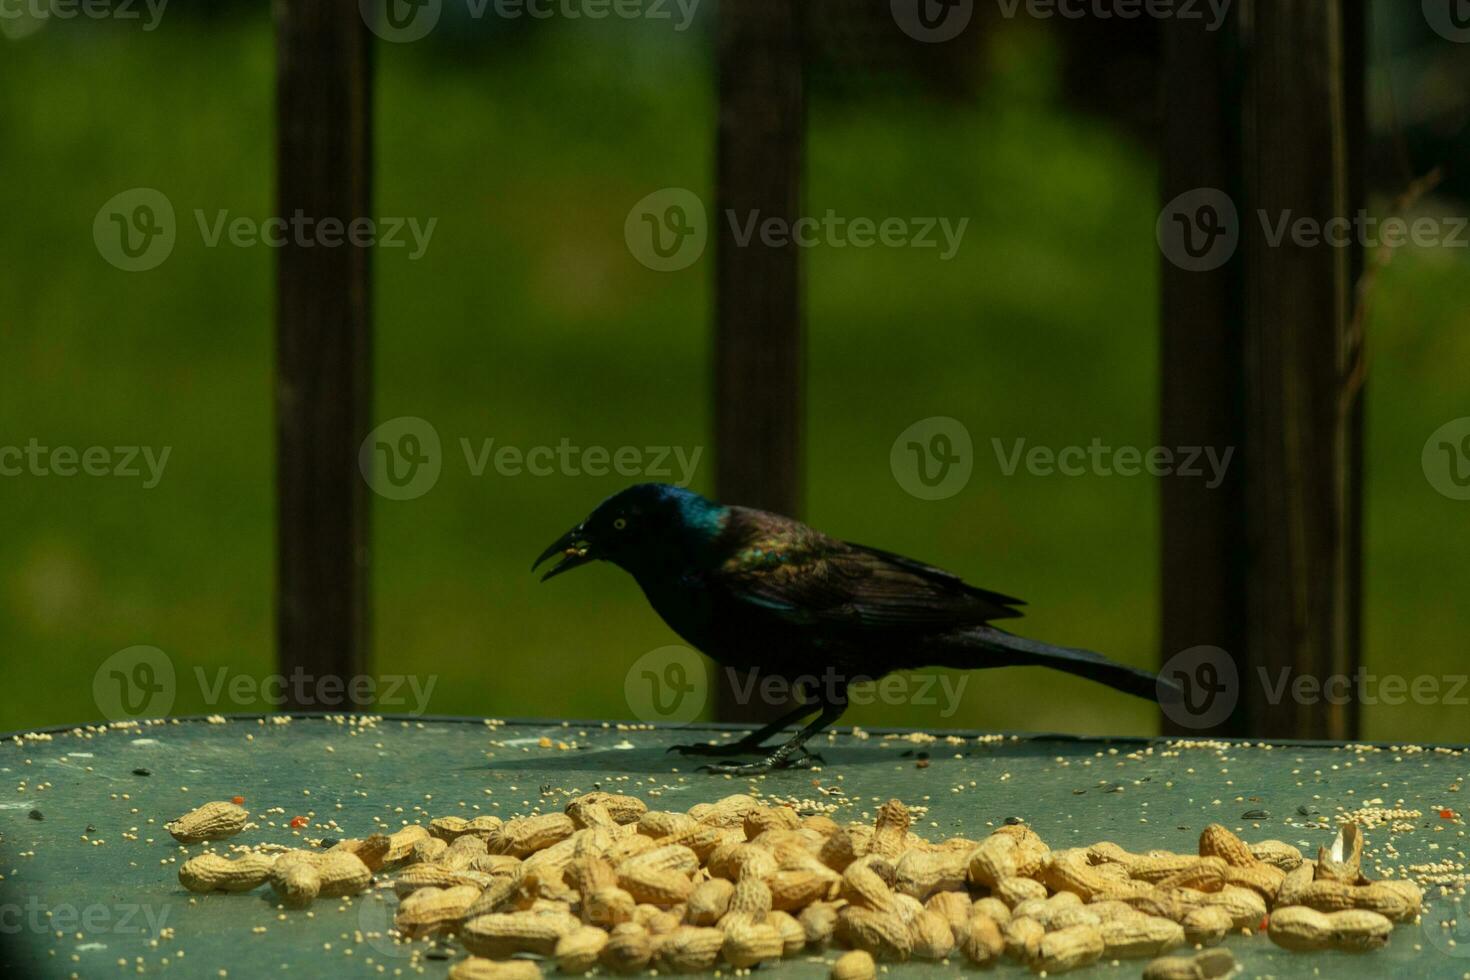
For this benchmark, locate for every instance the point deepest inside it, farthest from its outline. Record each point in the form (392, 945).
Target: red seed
(1447, 814)
(298, 822)
(237, 800)
(1265, 923)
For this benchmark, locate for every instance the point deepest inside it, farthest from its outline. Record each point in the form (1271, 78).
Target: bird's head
(644, 527)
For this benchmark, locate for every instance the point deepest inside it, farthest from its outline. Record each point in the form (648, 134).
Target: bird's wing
(806, 578)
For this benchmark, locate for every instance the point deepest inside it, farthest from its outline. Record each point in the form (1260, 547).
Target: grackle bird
(757, 591)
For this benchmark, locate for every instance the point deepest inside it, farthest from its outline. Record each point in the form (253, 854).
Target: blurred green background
(527, 321)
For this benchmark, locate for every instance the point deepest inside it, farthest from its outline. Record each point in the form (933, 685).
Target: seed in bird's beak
(574, 550)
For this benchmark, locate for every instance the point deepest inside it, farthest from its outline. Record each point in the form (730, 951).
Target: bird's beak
(574, 548)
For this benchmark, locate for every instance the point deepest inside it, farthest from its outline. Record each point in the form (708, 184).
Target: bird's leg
(752, 743)
(782, 757)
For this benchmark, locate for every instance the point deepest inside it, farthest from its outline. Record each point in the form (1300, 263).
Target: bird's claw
(805, 761)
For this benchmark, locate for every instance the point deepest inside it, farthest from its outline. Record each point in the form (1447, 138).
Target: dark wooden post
(323, 339)
(759, 344)
(1203, 577)
(1260, 355)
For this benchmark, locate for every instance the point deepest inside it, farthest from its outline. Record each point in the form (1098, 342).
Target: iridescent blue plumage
(700, 515)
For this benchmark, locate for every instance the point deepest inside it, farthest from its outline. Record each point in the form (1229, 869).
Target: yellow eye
(620, 523)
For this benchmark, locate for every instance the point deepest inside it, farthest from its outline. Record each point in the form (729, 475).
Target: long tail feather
(986, 646)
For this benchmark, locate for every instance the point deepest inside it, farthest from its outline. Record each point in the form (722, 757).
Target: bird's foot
(806, 760)
(718, 749)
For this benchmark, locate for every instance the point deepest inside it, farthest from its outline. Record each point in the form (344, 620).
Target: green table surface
(91, 888)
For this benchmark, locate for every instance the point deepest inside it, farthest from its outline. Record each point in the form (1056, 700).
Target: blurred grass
(528, 321)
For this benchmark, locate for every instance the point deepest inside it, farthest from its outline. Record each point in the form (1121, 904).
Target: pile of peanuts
(610, 882)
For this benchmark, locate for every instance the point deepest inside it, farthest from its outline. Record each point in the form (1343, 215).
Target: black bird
(758, 591)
